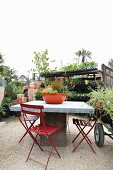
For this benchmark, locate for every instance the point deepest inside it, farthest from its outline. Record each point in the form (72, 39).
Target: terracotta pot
(54, 98)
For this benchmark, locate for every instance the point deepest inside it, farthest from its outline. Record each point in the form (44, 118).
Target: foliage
(110, 63)
(88, 65)
(9, 73)
(83, 53)
(12, 89)
(6, 102)
(81, 66)
(69, 67)
(102, 98)
(1, 110)
(6, 72)
(57, 86)
(1, 59)
(38, 95)
(1, 64)
(49, 90)
(41, 61)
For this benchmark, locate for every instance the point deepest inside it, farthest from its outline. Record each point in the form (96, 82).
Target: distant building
(3, 82)
(24, 79)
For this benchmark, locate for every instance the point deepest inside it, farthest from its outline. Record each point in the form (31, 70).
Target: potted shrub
(7, 102)
(55, 93)
(102, 100)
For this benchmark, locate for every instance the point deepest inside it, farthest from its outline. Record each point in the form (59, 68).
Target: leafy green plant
(56, 86)
(41, 61)
(6, 102)
(49, 90)
(102, 99)
(38, 95)
(1, 110)
(11, 90)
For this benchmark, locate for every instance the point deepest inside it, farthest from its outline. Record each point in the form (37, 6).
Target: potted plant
(7, 102)
(55, 93)
(102, 100)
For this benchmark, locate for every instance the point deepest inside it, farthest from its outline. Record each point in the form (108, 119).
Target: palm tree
(83, 53)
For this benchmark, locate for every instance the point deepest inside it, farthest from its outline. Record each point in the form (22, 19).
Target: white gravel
(13, 155)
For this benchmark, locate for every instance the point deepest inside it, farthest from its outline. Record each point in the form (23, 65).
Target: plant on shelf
(56, 92)
(102, 100)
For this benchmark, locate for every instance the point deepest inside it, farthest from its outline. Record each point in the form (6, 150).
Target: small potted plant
(55, 93)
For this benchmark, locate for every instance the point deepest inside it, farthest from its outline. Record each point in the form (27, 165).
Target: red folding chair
(39, 129)
(81, 125)
(31, 120)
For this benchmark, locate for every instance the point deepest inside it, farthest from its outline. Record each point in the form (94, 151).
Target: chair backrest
(34, 110)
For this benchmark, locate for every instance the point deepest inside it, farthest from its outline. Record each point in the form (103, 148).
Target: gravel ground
(13, 155)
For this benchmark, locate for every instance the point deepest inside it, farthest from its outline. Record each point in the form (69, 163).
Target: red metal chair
(30, 119)
(81, 125)
(39, 129)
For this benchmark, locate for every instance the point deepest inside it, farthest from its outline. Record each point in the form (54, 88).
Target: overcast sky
(61, 26)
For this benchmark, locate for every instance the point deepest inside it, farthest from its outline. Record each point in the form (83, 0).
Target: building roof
(23, 78)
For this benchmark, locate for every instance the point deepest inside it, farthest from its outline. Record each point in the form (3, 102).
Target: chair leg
(32, 148)
(87, 140)
(78, 134)
(30, 151)
(27, 131)
(53, 147)
(53, 144)
(48, 158)
(25, 128)
(83, 133)
(34, 138)
(85, 137)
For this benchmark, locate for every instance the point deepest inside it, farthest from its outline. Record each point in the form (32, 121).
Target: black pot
(106, 118)
(0, 117)
(7, 112)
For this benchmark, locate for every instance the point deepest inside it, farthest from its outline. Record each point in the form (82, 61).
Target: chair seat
(47, 131)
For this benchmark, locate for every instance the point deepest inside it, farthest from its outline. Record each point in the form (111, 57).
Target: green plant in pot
(55, 93)
(7, 102)
(102, 100)
(1, 112)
